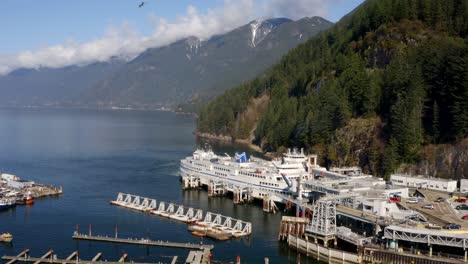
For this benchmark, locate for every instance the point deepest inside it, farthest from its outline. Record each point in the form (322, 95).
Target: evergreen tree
(435, 122)
(390, 158)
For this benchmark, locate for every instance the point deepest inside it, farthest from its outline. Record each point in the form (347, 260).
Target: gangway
(349, 236)
(427, 236)
(135, 202)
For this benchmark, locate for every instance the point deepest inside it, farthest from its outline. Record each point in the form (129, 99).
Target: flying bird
(142, 4)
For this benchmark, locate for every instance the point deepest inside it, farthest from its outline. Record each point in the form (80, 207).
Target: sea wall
(321, 253)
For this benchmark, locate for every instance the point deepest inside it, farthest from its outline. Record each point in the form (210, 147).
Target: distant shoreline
(97, 108)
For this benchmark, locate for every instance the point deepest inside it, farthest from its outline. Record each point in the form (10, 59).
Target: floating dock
(213, 225)
(142, 241)
(200, 253)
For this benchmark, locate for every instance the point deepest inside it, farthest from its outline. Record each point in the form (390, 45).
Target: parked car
(412, 201)
(428, 206)
(462, 207)
(433, 226)
(395, 199)
(465, 217)
(440, 200)
(461, 200)
(452, 226)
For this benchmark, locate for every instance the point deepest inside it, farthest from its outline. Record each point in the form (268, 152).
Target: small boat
(29, 199)
(197, 228)
(6, 237)
(7, 203)
(217, 234)
(200, 234)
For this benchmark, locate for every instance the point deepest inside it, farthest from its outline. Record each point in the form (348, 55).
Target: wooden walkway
(49, 257)
(145, 242)
(199, 256)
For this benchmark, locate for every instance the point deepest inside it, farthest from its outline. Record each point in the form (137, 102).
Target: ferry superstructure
(260, 176)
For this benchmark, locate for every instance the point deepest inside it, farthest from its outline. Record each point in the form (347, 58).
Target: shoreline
(230, 140)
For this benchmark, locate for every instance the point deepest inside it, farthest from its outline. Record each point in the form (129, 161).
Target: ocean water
(93, 155)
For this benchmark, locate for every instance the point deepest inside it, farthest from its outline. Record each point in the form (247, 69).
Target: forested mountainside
(378, 90)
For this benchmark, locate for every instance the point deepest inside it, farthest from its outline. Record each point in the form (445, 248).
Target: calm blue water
(94, 155)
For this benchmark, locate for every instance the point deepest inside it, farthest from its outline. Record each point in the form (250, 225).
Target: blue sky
(64, 26)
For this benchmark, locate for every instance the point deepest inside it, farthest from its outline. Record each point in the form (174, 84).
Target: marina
(15, 191)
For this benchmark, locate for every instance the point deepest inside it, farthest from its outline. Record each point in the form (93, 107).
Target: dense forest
(398, 68)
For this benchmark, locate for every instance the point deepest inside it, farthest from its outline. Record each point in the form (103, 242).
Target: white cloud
(296, 9)
(125, 41)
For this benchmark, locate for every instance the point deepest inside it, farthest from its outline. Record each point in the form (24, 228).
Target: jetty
(211, 224)
(140, 241)
(194, 257)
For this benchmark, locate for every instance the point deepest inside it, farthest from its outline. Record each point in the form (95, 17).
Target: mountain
(192, 69)
(53, 87)
(386, 88)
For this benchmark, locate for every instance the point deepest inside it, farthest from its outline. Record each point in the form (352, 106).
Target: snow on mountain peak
(253, 28)
(193, 44)
(259, 30)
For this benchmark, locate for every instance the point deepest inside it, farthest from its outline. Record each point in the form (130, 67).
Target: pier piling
(122, 259)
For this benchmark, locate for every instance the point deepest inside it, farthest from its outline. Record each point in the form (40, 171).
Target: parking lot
(443, 212)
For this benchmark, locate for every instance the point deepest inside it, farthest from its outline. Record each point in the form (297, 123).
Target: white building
(464, 185)
(5, 177)
(20, 184)
(444, 185)
(401, 192)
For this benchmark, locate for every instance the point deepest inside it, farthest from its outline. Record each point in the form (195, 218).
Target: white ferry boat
(260, 176)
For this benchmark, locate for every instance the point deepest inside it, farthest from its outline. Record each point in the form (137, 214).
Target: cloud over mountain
(296, 9)
(127, 42)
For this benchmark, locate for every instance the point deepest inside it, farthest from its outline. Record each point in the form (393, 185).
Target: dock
(142, 241)
(39, 190)
(210, 222)
(199, 253)
(194, 257)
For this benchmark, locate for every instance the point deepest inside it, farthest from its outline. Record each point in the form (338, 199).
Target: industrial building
(437, 184)
(20, 184)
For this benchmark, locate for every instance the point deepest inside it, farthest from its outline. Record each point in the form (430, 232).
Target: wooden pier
(194, 257)
(292, 225)
(142, 241)
(49, 257)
